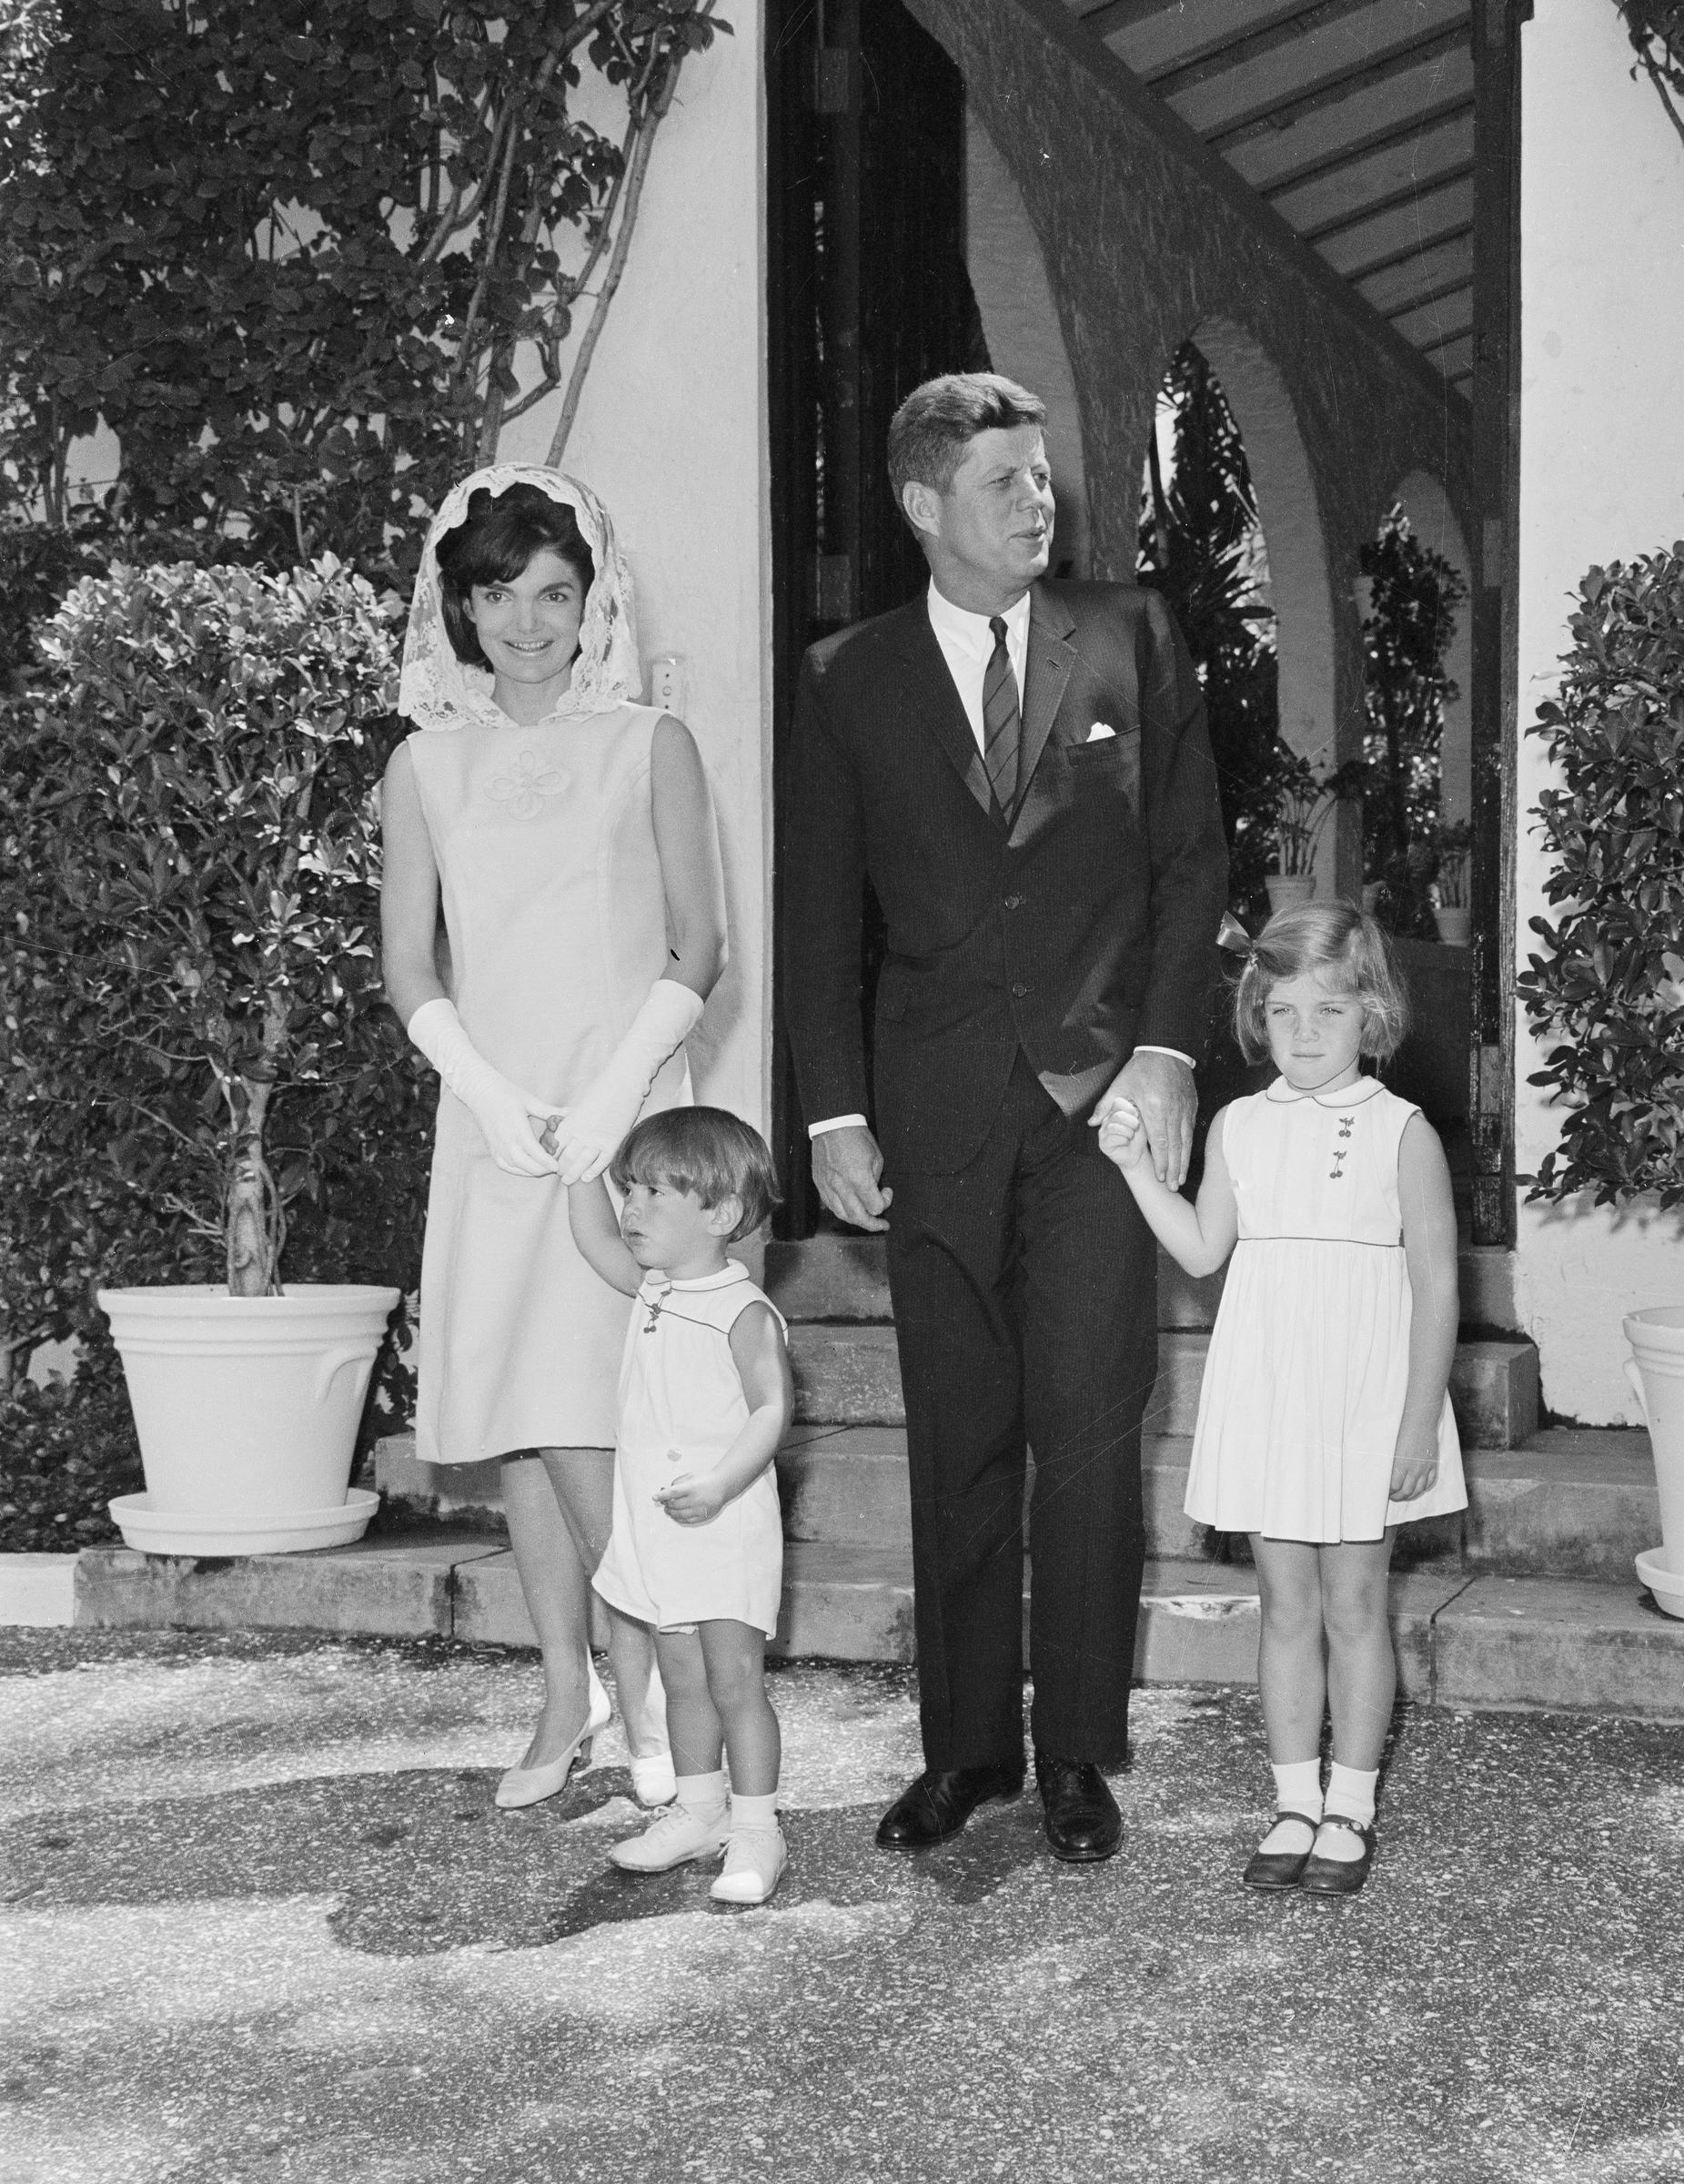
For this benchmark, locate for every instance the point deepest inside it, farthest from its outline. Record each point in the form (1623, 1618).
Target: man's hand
(1162, 1088)
(846, 1164)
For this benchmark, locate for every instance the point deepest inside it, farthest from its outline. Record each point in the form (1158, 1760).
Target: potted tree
(203, 809)
(1609, 978)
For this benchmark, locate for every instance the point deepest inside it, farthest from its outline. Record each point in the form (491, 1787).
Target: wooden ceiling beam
(1281, 112)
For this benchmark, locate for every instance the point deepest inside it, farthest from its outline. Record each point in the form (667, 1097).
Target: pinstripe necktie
(1001, 728)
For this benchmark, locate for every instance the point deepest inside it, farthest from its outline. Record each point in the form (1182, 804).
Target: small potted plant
(1608, 981)
(1452, 915)
(1304, 803)
(204, 810)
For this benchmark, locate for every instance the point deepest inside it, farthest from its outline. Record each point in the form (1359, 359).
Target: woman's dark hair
(494, 545)
(706, 1151)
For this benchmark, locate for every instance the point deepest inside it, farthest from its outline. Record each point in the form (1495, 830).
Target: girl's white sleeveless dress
(556, 916)
(682, 1405)
(1310, 1360)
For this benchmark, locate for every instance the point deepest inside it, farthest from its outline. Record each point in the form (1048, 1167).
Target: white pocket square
(1099, 732)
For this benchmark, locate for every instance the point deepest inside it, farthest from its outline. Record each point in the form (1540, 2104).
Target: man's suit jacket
(1084, 928)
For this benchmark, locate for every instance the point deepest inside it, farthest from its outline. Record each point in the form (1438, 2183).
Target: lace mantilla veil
(437, 690)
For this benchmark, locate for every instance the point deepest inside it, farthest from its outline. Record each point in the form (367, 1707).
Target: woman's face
(528, 631)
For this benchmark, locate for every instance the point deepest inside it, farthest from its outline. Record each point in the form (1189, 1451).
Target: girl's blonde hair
(1324, 937)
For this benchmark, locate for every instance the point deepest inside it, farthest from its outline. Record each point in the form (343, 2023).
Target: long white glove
(500, 1108)
(597, 1121)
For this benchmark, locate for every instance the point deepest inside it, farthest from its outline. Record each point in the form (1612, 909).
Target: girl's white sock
(1350, 1791)
(1298, 1787)
(703, 1795)
(754, 1812)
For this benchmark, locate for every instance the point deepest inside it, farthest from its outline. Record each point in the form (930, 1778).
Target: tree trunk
(254, 1225)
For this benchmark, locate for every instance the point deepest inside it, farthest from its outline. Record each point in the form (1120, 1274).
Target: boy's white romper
(681, 1406)
(1309, 1361)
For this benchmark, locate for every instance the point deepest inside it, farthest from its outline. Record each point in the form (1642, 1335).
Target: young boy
(696, 1546)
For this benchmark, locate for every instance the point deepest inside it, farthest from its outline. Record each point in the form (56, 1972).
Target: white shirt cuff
(1174, 1054)
(835, 1122)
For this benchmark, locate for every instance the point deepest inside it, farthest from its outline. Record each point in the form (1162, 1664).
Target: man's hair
(1335, 937)
(502, 534)
(706, 1151)
(931, 430)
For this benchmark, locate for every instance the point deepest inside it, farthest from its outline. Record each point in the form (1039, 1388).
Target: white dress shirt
(967, 645)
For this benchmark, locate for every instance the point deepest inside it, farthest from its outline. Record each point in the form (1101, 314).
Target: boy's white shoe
(679, 1835)
(754, 1862)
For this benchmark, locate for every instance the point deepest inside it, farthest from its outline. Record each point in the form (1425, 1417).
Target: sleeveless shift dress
(1309, 1361)
(556, 916)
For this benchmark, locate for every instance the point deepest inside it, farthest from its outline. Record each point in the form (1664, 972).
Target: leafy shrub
(1610, 977)
(65, 1450)
(195, 1053)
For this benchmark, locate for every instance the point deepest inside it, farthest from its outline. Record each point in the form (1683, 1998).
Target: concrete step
(846, 1277)
(1462, 1640)
(1570, 1503)
(849, 1374)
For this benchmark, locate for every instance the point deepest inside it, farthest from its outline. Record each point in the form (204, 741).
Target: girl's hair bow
(1231, 934)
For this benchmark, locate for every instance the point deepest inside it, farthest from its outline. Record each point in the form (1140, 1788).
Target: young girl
(1323, 1421)
(696, 1546)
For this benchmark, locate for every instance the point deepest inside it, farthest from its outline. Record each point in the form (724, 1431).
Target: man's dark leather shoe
(1082, 1822)
(938, 1806)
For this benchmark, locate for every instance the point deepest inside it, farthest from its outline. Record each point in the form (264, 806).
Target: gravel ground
(259, 1920)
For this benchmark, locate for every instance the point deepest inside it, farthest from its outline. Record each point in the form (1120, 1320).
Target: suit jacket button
(1013, 902)
(1019, 990)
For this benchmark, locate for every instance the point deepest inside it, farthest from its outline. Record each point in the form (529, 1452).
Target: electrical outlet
(667, 684)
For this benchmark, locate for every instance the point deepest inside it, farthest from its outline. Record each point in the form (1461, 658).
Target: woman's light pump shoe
(522, 1787)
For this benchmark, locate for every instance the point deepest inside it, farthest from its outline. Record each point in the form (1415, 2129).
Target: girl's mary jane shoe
(521, 1787)
(1276, 1869)
(1339, 1876)
(754, 1862)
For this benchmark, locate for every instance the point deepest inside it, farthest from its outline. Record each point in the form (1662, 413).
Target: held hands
(587, 1134)
(689, 1501)
(508, 1121)
(1122, 1137)
(1160, 1089)
(846, 1166)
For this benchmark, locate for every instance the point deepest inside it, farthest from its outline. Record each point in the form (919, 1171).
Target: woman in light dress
(553, 918)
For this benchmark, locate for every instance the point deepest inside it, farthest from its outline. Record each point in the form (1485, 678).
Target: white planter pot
(1455, 926)
(1288, 887)
(1655, 1371)
(247, 1409)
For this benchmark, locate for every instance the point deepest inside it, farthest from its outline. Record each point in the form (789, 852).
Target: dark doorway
(868, 296)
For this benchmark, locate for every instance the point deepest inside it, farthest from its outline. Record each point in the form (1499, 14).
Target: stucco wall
(1601, 479)
(671, 431)
(1142, 249)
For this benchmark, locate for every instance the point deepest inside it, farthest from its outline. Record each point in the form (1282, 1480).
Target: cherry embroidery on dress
(1336, 1172)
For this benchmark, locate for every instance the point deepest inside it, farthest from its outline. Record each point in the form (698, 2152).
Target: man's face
(990, 534)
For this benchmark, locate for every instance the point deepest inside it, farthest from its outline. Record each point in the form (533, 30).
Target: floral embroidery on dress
(524, 786)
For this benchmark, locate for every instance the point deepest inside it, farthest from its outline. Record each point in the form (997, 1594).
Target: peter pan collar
(729, 1273)
(1280, 1094)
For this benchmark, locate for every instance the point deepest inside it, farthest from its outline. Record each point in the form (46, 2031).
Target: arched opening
(1274, 670)
(1417, 786)
(1424, 502)
(1020, 323)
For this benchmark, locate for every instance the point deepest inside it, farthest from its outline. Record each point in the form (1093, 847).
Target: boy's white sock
(1350, 1791)
(754, 1812)
(1298, 1787)
(703, 1795)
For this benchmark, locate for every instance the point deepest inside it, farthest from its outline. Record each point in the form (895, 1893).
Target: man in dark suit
(1023, 769)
